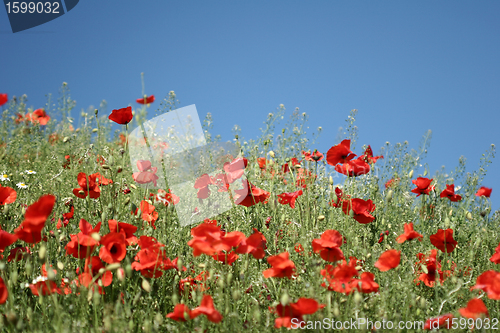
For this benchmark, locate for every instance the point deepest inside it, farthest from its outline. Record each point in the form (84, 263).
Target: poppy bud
(81, 192)
(175, 299)
(271, 153)
(96, 111)
(128, 270)
(51, 276)
(113, 266)
(104, 216)
(133, 186)
(330, 180)
(336, 311)
(146, 286)
(284, 299)
(351, 213)
(95, 130)
(66, 139)
(447, 222)
(27, 268)
(469, 216)
(42, 252)
(236, 294)
(105, 167)
(389, 196)
(229, 278)
(95, 236)
(357, 298)
(60, 265)
(5, 209)
(179, 264)
(410, 174)
(321, 217)
(127, 201)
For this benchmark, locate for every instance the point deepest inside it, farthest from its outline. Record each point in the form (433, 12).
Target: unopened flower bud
(146, 286)
(410, 174)
(271, 153)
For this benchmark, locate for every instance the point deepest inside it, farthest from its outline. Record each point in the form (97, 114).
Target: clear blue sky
(407, 66)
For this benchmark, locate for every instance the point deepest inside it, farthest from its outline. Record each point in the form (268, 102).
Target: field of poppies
(314, 238)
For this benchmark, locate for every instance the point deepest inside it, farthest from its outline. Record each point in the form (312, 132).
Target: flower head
(484, 192)
(21, 185)
(121, 116)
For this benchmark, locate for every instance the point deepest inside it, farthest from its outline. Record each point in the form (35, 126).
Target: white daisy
(22, 185)
(4, 176)
(30, 172)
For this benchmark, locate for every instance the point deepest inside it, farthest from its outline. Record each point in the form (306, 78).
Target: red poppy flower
(235, 169)
(382, 236)
(148, 213)
(353, 168)
(114, 247)
(449, 193)
(495, 258)
(361, 209)
(316, 156)
(368, 156)
(89, 186)
(3, 99)
(432, 266)
(66, 218)
(475, 309)
(209, 239)
(121, 116)
(146, 99)
(151, 260)
(439, 322)
(442, 238)
(281, 266)
(392, 182)
(328, 246)
(339, 198)
(146, 174)
(181, 313)
(409, 234)
(93, 265)
(126, 229)
(304, 178)
(7, 195)
(388, 260)
(165, 197)
(207, 308)
(18, 253)
(287, 313)
(489, 282)
(250, 195)
(4, 292)
(341, 278)
(340, 153)
(6, 239)
(102, 180)
(254, 244)
(43, 286)
(202, 185)
(368, 284)
(36, 215)
(39, 116)
(423, 186)
(262, 163)
(484, 192)
(289, 198)
(82, 244)
(226, 257)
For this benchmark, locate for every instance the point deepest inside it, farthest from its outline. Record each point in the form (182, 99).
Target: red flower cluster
(342, 158)
(151, 260)
(343, 278)
(287, 313)
(182, 312)
(449, 193)
(328, 246)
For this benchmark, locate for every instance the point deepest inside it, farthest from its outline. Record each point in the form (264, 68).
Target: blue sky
(406, 66)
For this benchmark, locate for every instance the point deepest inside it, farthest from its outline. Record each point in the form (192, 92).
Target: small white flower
(22, 185)
(4, 176)
(30, 172)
